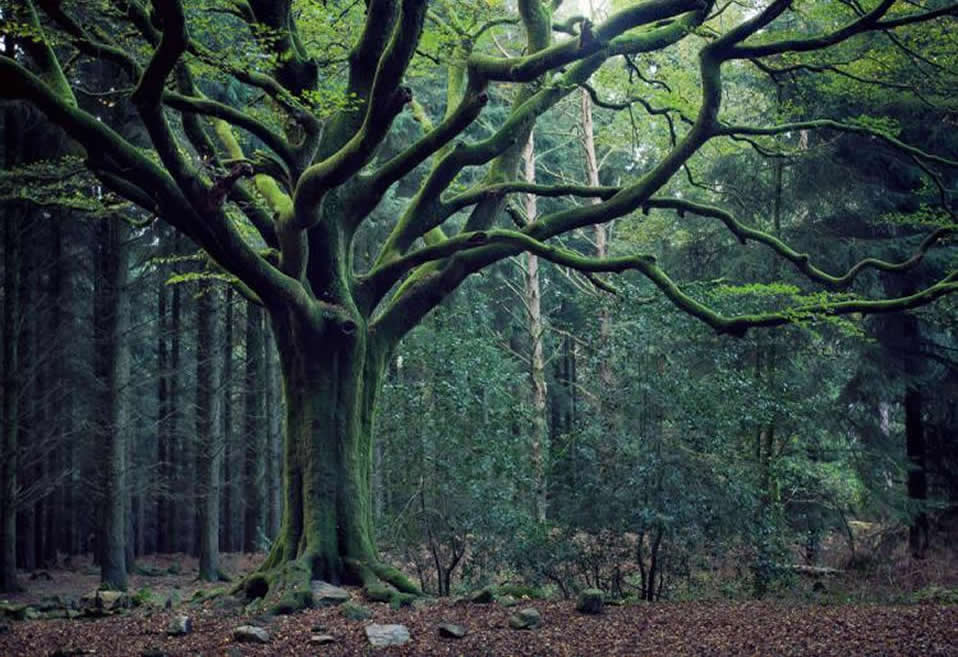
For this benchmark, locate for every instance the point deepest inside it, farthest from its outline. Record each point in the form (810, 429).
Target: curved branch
(867, 22)
(589, 42)
(426, 211)
(734, 130)
(199, 105)
(802, 260)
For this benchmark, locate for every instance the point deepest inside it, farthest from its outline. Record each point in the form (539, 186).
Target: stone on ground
(482, 597)
(327, 595)
(250, 634)
(382, 636)
(525, 619)
(179, 625)
(452, 631)
(105, 602)
(322, 639)
(590, 601)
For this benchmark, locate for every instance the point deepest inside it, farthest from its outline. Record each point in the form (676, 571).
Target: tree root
(382, 583)
(285, 587)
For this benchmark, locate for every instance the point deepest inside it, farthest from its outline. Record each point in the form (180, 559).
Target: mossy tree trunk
(331, 372)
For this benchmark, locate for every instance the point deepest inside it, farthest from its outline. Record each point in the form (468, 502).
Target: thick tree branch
(387, 99)
(427, 212)
(590, 41)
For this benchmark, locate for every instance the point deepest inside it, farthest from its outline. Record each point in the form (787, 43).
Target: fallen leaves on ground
(665, 629)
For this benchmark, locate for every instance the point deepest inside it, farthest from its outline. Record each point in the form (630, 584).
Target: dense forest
(510, 299)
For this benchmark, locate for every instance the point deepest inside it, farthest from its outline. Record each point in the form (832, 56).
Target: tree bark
(164, 507)
(274, 440)
(254, 430)
(601, 237)
(915, 450)
(537, 366)
(332, 372)
(229, 487)
(112, 367)
(209, 438)
(8, 462)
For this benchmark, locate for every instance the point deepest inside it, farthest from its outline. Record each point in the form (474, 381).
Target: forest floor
(773, 628)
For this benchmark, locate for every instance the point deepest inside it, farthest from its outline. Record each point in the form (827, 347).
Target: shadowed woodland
(596, 327)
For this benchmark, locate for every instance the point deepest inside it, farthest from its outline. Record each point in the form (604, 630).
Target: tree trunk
(112, 366)
(8, 453)
(229, 448)
(537, 364)
(28, 390)
(331, 377)
(254, 432)
(601, 240)
(208, 434)
(164, 507)
(274, 441)
(915, 437)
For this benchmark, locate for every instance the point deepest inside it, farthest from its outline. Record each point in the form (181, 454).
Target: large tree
(280, 223)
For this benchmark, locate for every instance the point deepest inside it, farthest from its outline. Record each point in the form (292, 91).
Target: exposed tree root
(382, 583)
(285, 587)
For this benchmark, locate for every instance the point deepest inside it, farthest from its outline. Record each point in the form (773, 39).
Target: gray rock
(525, 619)
(353, 611)
(179, 625)
(250, 634)
(327, 595)
(105, 602)
(507, 601)
(590, 601)
(14, 612)
(321, 639)
(452, 631)
(482, 597)
(381, 636)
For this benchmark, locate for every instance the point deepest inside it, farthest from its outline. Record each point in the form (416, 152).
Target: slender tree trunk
(226, 508)
(164, 510)
(915, 438)
(254, 430)
(208, 431)
(536, 328)
(29, 438)
(112, 366)
(11, 421)
(178, 497)
(600, 233)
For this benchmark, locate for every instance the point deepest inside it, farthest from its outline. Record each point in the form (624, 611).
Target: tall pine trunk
(209, 438)
(9, 446)
(112, 367)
